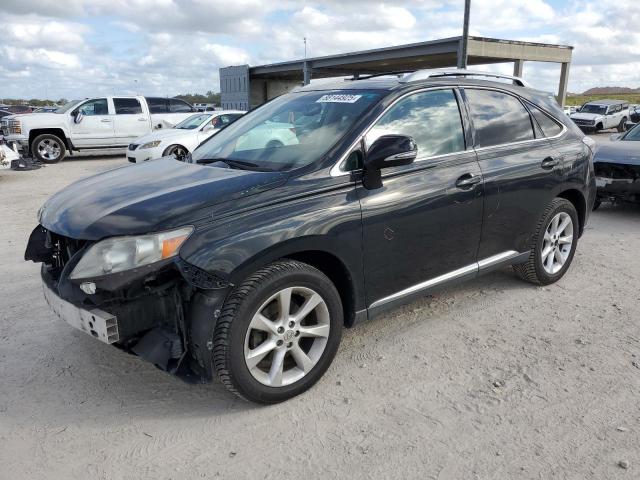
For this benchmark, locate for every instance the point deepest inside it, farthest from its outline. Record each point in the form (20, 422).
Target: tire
(48, 148)
(622, 125)
(534, 270)
(176, 151)
(240, 333)
(596, 204)
(598, 128)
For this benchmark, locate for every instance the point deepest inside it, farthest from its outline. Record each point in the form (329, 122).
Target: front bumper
(95, 322)
(144, 155)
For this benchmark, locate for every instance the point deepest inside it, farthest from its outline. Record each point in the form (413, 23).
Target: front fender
(329, 222)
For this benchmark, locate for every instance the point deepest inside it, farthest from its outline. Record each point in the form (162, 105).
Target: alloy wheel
(287, 336)
(557, 243)
(49, 149)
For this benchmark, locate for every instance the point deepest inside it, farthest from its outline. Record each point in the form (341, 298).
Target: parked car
(5, 113)
(7, 155)
(634, 114)
(602, 115)
(617, 167)
(94, 123)
(45, 109)
(247, 262)
(181, 139)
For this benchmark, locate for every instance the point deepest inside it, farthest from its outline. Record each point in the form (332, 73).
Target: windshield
(67, 106)
(289, 132)
(632, 135)
(192, 122)
(590, 108)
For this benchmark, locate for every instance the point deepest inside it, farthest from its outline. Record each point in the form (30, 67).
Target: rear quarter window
(548, 125)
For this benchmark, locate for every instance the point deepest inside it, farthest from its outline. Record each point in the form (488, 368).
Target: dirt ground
(493, 379)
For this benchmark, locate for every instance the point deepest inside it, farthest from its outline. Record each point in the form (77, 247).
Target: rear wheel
(553, 245)
(278, 332)
(623, 125)
(48, 148)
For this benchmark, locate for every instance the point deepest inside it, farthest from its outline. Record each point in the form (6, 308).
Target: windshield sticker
(339, 98)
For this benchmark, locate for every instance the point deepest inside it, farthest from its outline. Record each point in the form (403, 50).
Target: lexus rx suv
(247, 263)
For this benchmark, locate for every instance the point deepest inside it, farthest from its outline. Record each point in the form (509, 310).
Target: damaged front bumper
(164, 314)
(617, 182)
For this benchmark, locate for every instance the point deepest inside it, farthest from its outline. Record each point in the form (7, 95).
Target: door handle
(106, 120)
(549, 162)
(468, 180)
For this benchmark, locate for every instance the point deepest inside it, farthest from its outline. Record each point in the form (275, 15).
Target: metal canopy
(433, 54)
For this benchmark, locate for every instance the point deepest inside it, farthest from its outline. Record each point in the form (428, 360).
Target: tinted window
(157, 105)
(95, 107)
(432, 118)
(498, 118)
(549, 127)
(127, 106)
(179, 106)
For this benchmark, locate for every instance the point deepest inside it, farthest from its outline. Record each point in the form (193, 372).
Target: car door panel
(130, 120)
(95, 128)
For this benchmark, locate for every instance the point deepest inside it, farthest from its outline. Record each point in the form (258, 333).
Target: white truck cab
(602, 115)
(92, 123)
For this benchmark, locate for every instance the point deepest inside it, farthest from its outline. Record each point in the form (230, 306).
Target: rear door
(520, 167)
(130, 120)
(95, 128)
(422, 226)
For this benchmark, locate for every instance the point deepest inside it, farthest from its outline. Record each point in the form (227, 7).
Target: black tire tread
(231, 305)
(527, 271)
(63, 152)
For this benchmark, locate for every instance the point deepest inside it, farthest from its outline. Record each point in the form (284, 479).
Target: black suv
(322, 208)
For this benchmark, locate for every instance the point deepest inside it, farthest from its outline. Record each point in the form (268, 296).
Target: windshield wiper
(239, 164)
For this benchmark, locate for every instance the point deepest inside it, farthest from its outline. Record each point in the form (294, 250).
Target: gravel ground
(493, 379)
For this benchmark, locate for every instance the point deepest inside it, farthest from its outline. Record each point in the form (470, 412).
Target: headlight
(14, 126)
(118, 254)
(153, 144)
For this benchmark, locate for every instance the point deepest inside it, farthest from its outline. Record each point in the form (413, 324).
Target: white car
(602, 115)
(181, 139)
(6, 156)
(93, 123)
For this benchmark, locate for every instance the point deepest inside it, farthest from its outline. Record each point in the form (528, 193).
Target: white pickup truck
(93, 123)
(602, 115)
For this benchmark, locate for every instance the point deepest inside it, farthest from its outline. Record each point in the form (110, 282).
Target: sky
(80, 48)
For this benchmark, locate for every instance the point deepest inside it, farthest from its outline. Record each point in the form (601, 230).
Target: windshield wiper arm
(240, 164)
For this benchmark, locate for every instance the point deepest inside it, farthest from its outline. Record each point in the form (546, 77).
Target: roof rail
(424, 74)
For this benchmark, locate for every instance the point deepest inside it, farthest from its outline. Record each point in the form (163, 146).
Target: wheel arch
(580, 204)
(166, 150)
(313, 251)
(58, 132)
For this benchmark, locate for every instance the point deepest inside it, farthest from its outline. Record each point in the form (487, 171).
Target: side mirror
(208, 127)
(391, 151)
(78, 117)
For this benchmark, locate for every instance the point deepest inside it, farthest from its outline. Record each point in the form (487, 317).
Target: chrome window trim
(460, 272)
(336, 170)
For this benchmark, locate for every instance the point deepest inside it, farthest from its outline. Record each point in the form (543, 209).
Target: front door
(94, 127)
(130, 121)
(422, 227)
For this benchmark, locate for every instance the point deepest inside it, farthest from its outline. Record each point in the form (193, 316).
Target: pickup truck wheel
(553, 244)
(278, 332)
(48, 148)
(622, 126)
(176, 151)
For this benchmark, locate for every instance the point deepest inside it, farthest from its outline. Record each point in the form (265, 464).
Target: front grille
(586, 123)
(131, 159)
(133, 146)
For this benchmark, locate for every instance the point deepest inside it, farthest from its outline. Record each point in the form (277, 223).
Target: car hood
(167, 134)
(150, 197)
(586, 116)
(620, 151)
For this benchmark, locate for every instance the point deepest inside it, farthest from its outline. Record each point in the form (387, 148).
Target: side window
(127, 106)
(97, 106)
(432, 118)
(498, 118)
(549, 126)
(157, 105)
(179, 106)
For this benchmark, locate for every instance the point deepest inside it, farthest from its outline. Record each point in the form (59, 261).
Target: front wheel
(176, 151)
(622, 126)
(278, 332)
(48, 148)
(553, 245)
